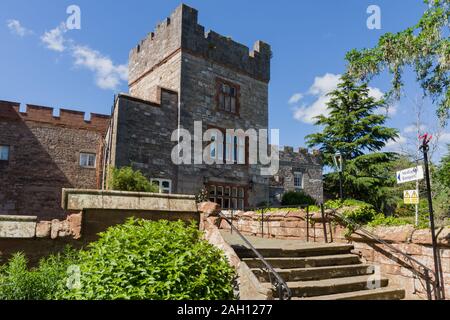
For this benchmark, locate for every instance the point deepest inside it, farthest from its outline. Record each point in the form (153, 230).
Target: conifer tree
(356, 130)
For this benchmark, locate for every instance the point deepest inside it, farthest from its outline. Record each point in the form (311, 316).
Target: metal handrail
(284, 292)
(426, 271)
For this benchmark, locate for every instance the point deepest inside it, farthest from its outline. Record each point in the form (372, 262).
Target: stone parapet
(78, 200)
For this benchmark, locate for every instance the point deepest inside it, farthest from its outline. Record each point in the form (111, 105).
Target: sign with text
(411, 174)
(411, 197)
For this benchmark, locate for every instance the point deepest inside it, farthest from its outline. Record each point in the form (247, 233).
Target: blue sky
(309, 40)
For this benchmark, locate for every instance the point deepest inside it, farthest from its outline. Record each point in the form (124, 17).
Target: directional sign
(411, 174)
(411, 197)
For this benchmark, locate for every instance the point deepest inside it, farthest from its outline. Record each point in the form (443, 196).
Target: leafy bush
(127, 179)
(293, 198)
(44, 282)
(338, 203)
(153, 260)
(361, 215)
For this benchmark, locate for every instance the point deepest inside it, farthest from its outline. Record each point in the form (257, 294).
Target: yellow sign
(411, 196)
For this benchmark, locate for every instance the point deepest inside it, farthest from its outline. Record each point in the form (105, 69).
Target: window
(164, 185)
(87, 160)
(228, 197)
(228, 96)
(4, 153)
(298, 180)
(226, 147)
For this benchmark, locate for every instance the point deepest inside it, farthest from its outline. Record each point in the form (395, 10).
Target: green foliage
(293, 198)
(127, 179)
(202, 196)
(357, 131)
(44, 282)
(336, 204)
(352, 127)
(425, 47)
(443, 172)
(153, 260)
(361, 215)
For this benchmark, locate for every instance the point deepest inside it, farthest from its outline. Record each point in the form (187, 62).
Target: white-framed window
(87, 160)
(298, 180)
(164, 185)
(4, 153)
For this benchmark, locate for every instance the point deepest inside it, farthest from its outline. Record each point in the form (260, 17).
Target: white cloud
(54, 39)
(295, 98)
(107, 75)
(398, 145)
(16, 28)
(445, 137)
(413, 128)
(319, 89)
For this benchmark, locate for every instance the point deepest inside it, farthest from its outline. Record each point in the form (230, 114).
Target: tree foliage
(424, 46)
(443, 173)
(357, 131)
(127, 179)
(353, 127)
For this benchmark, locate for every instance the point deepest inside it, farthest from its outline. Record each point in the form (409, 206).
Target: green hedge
(293, 198)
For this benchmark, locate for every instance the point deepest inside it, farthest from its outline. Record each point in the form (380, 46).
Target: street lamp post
(339, 164)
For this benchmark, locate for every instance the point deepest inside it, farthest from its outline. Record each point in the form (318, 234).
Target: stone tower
(219, 82)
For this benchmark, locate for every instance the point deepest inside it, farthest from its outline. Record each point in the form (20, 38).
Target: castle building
(179, 77)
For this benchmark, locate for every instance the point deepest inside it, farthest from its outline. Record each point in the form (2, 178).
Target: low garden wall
(415, 242)
(89, 212)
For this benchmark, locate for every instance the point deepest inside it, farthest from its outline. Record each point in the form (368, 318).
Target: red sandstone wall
(44, 157)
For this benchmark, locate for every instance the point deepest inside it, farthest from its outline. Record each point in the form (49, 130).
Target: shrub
(337, 203)
(361, 215)
(153, 260)
(44, 282)
(127, 179)
(293, 198)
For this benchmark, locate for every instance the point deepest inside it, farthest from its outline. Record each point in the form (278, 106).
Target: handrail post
(262, 223)
(307, 224)
(232, 217)
(322, 210)
(427, 281)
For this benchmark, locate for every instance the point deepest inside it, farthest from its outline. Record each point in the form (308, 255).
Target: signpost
(411, 174)
(411, 197)
(440, 292)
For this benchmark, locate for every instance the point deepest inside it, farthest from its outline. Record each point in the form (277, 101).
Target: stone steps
(312, 251)
(386, 293)
(304, 262)
(320, 273)
(328, 287)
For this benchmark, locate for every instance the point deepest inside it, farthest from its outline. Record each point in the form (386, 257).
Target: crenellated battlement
(69, 118)
(181, 31)
(289, 153)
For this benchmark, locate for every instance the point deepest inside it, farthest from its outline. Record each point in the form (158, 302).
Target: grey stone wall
(142, 135)
(302, 161)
